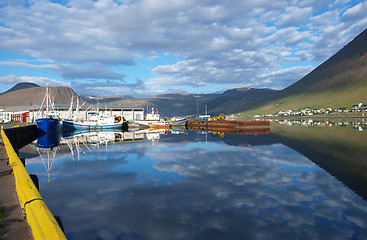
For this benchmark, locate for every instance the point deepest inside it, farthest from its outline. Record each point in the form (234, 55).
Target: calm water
(296, 182)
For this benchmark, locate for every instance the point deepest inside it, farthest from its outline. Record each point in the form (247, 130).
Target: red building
(20, 117)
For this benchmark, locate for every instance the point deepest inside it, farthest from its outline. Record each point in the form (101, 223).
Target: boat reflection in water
(47, 146)
(79, 142)
(298, 182)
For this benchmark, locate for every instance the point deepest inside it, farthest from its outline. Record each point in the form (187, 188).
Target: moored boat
(151, 118)
(48, 125)
(48, 121)
(179, 122)
(96, 122)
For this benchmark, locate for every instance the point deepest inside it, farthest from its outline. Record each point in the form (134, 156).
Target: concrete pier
(15, 224)
(43, 224)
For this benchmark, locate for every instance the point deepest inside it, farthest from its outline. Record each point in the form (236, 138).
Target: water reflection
(47, 145)
(358, 124)
(161, 185)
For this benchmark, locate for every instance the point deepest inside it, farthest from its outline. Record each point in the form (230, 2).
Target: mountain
(35, 95)
(230, 101)
(168, 104)
(340, 81)
(22, 85)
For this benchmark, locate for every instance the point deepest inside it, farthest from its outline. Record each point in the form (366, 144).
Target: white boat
(153, 120)
(152, 117)
(179, 122)
(95, 121)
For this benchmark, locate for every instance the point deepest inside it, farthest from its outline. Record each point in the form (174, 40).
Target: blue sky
(144, 48)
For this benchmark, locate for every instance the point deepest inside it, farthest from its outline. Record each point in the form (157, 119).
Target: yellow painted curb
(39, 217)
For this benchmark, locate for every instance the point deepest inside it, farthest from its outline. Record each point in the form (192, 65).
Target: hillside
(185, 104)
(340, 81)
(168, 104)
(22, 85)
(35, 95)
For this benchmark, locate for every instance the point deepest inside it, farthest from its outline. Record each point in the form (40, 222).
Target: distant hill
(22, 85)
(168, 104)
(340, 81)
(35, 95)
(230, 101)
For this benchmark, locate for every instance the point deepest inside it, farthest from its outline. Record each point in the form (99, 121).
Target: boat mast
(77, 109)
(47, 97)
(197, 98)
(70, 111)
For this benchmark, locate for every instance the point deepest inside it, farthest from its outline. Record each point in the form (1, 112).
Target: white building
(81, 113)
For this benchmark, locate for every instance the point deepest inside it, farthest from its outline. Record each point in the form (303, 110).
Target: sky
(144, 48)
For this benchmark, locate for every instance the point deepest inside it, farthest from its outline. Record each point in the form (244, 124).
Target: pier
(15, 225)
(28, 213)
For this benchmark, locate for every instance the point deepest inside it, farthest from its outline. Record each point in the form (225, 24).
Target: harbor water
(298, 181)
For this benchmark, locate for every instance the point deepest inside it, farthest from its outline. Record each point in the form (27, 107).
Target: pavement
(15, 224)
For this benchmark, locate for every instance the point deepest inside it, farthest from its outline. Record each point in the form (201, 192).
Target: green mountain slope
(340, 81)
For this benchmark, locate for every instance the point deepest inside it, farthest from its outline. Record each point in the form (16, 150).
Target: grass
(333, 98)
(2, 215)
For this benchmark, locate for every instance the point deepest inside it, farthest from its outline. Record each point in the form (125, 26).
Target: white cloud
(294, 16)
(356, 12)
(241, 40)
(286, 74)
(95, 72)
(21, 63)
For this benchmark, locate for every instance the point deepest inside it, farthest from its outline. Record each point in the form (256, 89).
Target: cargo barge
(227, 124)
(235, 127)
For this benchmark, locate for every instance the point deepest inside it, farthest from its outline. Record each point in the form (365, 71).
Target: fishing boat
(153, 120)
(150, 118)
(94, 122)
(48, 121)
(178, 122)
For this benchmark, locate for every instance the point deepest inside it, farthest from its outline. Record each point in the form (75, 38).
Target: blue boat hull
(48, 125)
(70, 125)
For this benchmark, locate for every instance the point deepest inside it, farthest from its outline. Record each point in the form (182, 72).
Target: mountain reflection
(201, 186)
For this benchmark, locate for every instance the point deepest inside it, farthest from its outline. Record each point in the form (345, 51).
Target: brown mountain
(22, 85)
(168, 104)
(35, 95)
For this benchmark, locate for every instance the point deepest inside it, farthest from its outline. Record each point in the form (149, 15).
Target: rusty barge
(236, 127)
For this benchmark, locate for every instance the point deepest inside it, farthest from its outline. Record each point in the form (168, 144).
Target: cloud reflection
(224, 192)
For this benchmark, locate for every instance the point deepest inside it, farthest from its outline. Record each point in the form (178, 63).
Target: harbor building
(14, 114)
(63, 111)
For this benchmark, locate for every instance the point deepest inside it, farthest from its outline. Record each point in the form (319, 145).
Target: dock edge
(39, 217)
